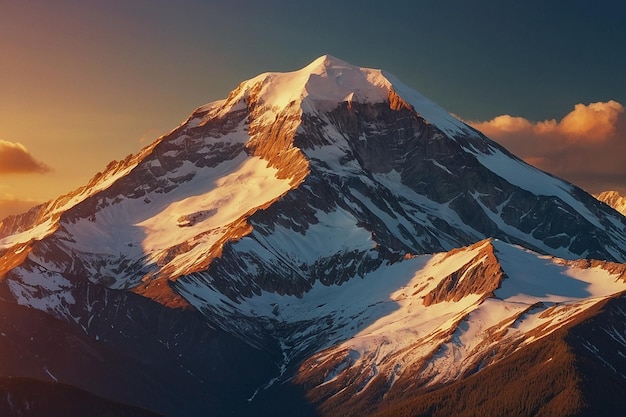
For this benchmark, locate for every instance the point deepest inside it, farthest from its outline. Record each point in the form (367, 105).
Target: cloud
(586, 147)
(16, 159)
(595, 122)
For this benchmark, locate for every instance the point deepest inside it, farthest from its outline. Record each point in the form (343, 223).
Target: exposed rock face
(481, 276)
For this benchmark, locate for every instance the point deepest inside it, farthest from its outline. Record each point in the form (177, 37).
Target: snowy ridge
(26, 229)
(441, 342)
(429, 110)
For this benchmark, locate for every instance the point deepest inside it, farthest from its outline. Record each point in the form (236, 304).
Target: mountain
(321, 241)
(613, 199)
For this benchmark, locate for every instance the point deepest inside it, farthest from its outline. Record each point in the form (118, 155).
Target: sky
(85, 82)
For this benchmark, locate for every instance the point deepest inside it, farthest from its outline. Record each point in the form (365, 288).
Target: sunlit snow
(328, 81)
(223, 195)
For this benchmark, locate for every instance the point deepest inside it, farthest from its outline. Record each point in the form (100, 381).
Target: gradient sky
(85, 82)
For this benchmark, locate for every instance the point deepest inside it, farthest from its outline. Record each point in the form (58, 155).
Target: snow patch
(229, 191)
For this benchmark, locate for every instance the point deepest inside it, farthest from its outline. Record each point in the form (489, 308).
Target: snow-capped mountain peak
(326, 82)
(613, 199)
(290, 160)
(331, 217)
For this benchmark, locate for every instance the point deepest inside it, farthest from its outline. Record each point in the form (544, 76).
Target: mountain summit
(328, 81)
(331, 219)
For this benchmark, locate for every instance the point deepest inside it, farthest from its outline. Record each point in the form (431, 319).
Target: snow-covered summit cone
(324, 83)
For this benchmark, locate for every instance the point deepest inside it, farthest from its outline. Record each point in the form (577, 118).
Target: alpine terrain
(321, 242)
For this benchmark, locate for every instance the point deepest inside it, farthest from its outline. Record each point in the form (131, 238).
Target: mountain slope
(561, 374)
(135, 351)
(358, 239)
(24, 397)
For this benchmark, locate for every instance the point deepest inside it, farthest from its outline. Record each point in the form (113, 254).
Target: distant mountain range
(613, 199)
(321, 242)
